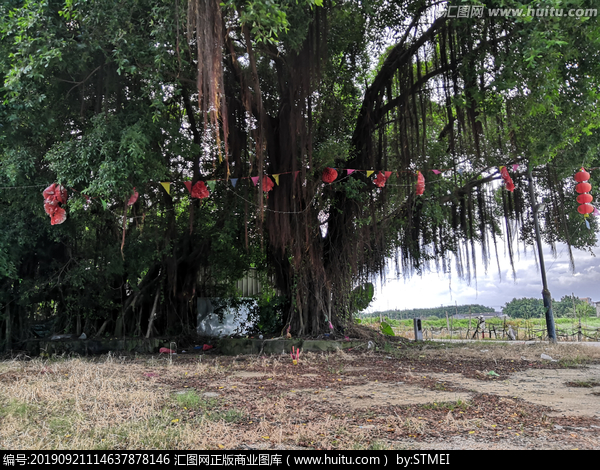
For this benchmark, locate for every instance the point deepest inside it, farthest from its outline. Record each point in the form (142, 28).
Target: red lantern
(200, 191)
(420, 183)
(133, 198)
(329, 175)
(267, 183)
(584, 198)
(507, 179)
(54, 196)
(380, 180)
(582, 176)
(583, 188)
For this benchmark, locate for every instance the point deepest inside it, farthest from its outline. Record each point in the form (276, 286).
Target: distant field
(567, 329)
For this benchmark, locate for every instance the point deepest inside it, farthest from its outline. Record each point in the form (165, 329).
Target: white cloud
(490, 289)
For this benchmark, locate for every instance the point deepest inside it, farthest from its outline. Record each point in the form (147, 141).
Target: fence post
(418, 329)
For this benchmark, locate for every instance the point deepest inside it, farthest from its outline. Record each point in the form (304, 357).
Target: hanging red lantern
(267, 183)
(582, 176)
(54, 196)
(583, 188)
(507, 179)
(420, 183)
(133, 198)
(329, 175)
(380, 180)
(200, 191)
(585, 209)
(584, 198)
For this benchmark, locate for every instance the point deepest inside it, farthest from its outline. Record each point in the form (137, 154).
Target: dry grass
(142, 403)
(570, 353)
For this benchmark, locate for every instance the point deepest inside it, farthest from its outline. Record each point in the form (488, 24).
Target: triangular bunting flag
(296, 174)
(211, 184)
(254, 180)
(515, 166)
(188, 185)
(276, 178)
(233, 181)
(437, 172)
(349, 172)
(387, 174)
(370, 172)
(167, 187)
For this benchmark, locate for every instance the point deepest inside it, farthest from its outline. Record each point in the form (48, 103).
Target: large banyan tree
(258, 99)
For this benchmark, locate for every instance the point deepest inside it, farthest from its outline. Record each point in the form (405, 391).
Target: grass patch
(573, 362)
(16, 408)
(189, 399)
(583, 383)
(448, 405)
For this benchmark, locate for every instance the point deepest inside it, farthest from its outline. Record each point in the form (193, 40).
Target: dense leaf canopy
(108, 98)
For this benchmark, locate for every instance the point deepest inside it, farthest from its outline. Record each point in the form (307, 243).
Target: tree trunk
(152, 314)
(8, 328)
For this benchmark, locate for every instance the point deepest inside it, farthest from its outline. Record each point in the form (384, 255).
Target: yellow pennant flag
(167, 187)
(370, 172)
(276, 178)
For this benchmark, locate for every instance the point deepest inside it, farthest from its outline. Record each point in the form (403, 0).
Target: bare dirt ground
(481, 396)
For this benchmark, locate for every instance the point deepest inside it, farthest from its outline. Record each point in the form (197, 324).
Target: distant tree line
(568, 306)
(437, 312)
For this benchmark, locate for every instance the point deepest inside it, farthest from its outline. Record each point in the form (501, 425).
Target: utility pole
(545, 292)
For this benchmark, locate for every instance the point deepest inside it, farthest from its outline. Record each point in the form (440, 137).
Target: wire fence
(527, 332)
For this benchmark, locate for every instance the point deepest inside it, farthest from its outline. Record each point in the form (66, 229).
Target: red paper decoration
(583, 188)
(420, 183)
(267, 183)
(133, 198)
(507, 179)
(54, 196)
(380, 180)
(329, 175)
(198, 191)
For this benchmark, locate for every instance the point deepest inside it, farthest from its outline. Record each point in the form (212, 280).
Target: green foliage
(386, 329)
(101, 97)
(437, 312)
(568, 306)
(362, 296)
(268, 315)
